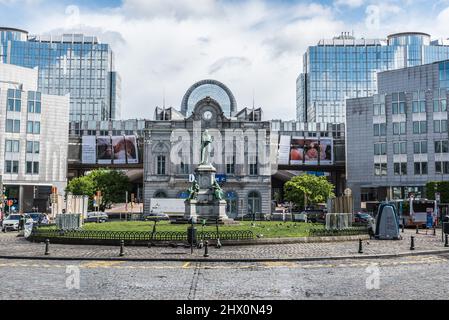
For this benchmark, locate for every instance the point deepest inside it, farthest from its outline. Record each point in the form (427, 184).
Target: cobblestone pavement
(415, 277)
(11, 245)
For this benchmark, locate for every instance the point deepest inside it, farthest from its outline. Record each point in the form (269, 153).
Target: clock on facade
(207, 115)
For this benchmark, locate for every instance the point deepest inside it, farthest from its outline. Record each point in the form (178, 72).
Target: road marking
(280, 264)
(100, 264)
(186, 265)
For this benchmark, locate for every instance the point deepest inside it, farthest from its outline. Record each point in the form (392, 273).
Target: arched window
(254, 203)
(161, 165)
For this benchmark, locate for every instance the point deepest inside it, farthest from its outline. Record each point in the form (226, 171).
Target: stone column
(21, 202)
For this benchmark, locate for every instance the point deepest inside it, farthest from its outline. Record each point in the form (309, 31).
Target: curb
(304, 259)
(270, 241)
(260, 241)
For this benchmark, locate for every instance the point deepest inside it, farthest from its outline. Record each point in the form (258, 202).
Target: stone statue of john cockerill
(206, 141)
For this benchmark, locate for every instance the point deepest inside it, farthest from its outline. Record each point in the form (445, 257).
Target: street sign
(437, 196)
(220, 178)
(191, 177)
(429, 221)
(10, 203)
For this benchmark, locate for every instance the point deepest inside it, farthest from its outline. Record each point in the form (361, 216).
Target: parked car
(98, 217)
(155, 216)
(316, 216)
(280, 214)
(12, 222)
(362, 217)
(37, 217)
(246, 217)
(299, 216)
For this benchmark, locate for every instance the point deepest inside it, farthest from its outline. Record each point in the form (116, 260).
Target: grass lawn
(269, 229)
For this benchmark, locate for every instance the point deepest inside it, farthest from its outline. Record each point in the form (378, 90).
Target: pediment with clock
(209, 112)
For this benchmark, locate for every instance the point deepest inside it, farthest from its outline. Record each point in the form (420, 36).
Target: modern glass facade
(398, 139)
(345, 67)
(444, 74)
(69, 64)
(209, 88)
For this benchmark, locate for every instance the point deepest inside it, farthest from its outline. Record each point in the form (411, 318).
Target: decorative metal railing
(344, 232)
(44, 233)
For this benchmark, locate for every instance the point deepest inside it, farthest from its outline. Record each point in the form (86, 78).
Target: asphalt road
(416, 277)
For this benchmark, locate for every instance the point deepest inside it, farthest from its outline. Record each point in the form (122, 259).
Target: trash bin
(446, 224)
(191, 235)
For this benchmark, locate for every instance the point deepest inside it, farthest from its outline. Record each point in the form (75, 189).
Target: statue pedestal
(206, 206)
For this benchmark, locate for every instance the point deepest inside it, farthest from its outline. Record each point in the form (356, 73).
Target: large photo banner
(132, 152)
(284, 150)
(104, 150)
(89, 152)
(108, 150)
(118, 146)
(311, 151)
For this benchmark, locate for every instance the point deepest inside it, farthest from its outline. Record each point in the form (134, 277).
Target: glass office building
(69, 64)
(345, 67)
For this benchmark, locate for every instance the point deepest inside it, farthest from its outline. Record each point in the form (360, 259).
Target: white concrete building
(33, 139)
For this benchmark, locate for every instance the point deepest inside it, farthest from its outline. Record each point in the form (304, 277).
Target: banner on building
(284, 150)
(104, 150)
(311, 151)
(108, 150)
(119, 149)
(132, 152)
(89, 152)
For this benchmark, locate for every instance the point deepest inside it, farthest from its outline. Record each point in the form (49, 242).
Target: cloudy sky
(252, 46)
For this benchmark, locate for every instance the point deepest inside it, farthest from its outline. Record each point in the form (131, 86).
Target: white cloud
(171, 8)
(254, 45)
(349, 3)
(165, 46)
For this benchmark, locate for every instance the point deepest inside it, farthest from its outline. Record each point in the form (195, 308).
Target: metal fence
(69, 221)
(39, 234)
(345, 232)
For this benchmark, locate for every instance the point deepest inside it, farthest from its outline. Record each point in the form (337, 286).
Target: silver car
(12, 222)
(99, 217)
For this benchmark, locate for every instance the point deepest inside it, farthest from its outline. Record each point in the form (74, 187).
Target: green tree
(438, 186)
(308, 188)
(81, 186)
(113, 185)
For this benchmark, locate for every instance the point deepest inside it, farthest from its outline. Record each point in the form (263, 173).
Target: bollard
(47, 247)
(206, 249)
(200, 244)
(434, 230)
(403, 224)
(360, 246)
(412, 243)
(417, 230)
(122, 248)
(446, 242)
(218, 243)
